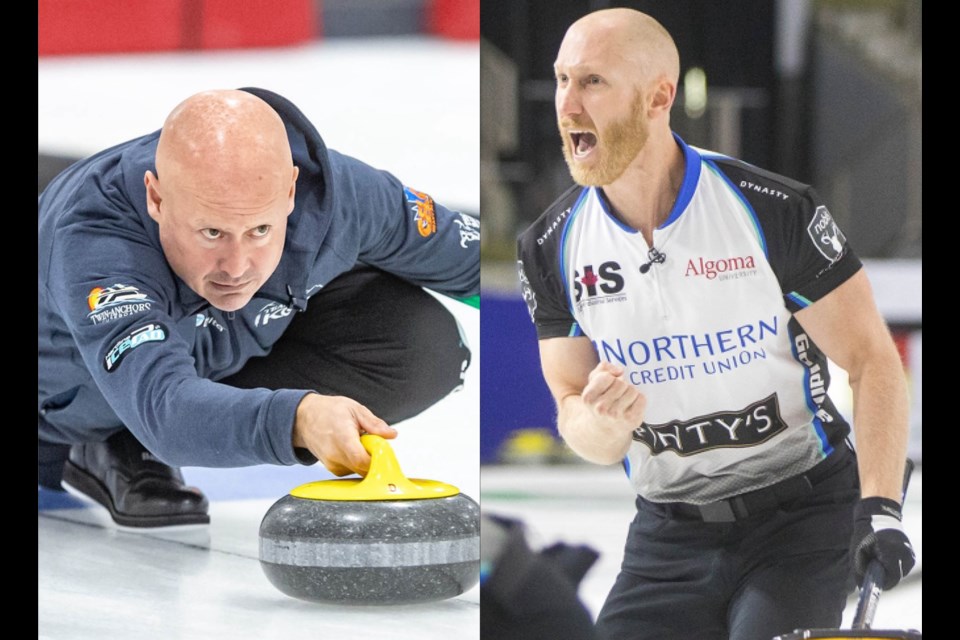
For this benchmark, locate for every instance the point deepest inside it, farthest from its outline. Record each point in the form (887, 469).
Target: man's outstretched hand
(330, 428)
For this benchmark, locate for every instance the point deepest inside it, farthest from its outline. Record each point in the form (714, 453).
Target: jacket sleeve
(114, 290)
(405, 232)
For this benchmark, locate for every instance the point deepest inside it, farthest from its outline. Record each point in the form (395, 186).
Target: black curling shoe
(137, 489)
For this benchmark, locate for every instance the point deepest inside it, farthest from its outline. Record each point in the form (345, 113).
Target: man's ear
(662, 97)
(293, 190)
(152, 183)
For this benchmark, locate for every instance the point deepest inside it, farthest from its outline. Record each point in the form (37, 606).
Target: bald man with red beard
(226, 292)
(710, 385)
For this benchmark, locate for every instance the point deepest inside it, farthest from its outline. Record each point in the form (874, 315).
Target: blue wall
(513, 393)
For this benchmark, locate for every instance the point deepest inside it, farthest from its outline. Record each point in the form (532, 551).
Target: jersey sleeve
(805, 247)
(541, 280)
(809, 252)
(114, 292)
(404, 231)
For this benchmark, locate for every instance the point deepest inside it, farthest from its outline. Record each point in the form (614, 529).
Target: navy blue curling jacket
(124, 342)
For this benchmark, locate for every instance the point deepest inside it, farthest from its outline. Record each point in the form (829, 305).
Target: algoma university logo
(710, 269)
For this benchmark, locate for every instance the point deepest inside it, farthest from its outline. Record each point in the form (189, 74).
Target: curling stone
(382, 539)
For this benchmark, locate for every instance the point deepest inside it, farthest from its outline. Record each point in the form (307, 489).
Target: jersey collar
(691, 175)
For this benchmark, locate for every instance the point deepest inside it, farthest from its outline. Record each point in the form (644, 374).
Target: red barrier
(107, 26)
(256, 23)
(114, 26)
(456, 19)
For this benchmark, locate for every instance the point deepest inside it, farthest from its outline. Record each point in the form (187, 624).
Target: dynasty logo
(745, 427)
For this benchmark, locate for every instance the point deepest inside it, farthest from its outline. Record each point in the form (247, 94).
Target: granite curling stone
(383, 539)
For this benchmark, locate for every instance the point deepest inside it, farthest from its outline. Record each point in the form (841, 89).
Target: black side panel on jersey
(538, 252)
(827, 419)
(808, 252)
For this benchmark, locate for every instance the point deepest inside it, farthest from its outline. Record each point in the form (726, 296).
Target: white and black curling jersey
(702, 321)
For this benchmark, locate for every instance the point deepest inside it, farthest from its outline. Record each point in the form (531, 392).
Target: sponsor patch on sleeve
(469, 229)
(421, 206)
(528, 295)
(152, 332)
(117, 301)
(826, 235)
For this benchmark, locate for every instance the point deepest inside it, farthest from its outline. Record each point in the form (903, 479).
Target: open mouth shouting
(583, 143)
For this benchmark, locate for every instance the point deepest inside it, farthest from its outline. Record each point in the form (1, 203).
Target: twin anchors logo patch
(111, 303)
(747, 427)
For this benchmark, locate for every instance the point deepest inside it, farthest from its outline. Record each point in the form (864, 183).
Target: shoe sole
(88, 485)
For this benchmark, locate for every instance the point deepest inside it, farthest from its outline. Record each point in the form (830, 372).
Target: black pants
(747, 580)
(372, 337)
(367, 335)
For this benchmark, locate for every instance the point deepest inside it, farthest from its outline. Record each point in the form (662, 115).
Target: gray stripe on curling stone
(302, 553)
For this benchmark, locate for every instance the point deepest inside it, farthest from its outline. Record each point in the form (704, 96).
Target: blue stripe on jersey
(746, 205)
(606, 210)
(575, 331)
(825, 446)
(626, 465)
(574, 210)
(799, 299)
(691, 176)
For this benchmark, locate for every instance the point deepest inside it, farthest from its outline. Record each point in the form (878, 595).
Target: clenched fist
(613, 399)
(330, 427)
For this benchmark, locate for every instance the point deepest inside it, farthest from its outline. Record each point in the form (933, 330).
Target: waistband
(755, 502)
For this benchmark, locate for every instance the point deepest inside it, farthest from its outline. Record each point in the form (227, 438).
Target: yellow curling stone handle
(384, 481)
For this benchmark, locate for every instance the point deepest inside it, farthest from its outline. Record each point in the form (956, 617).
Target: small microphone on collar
(653, 257)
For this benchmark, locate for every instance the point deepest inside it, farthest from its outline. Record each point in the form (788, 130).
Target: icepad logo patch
(826, 235)
(153, 332)
(421, 206)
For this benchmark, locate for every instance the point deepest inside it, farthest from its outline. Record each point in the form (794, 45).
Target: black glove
(878, 535)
